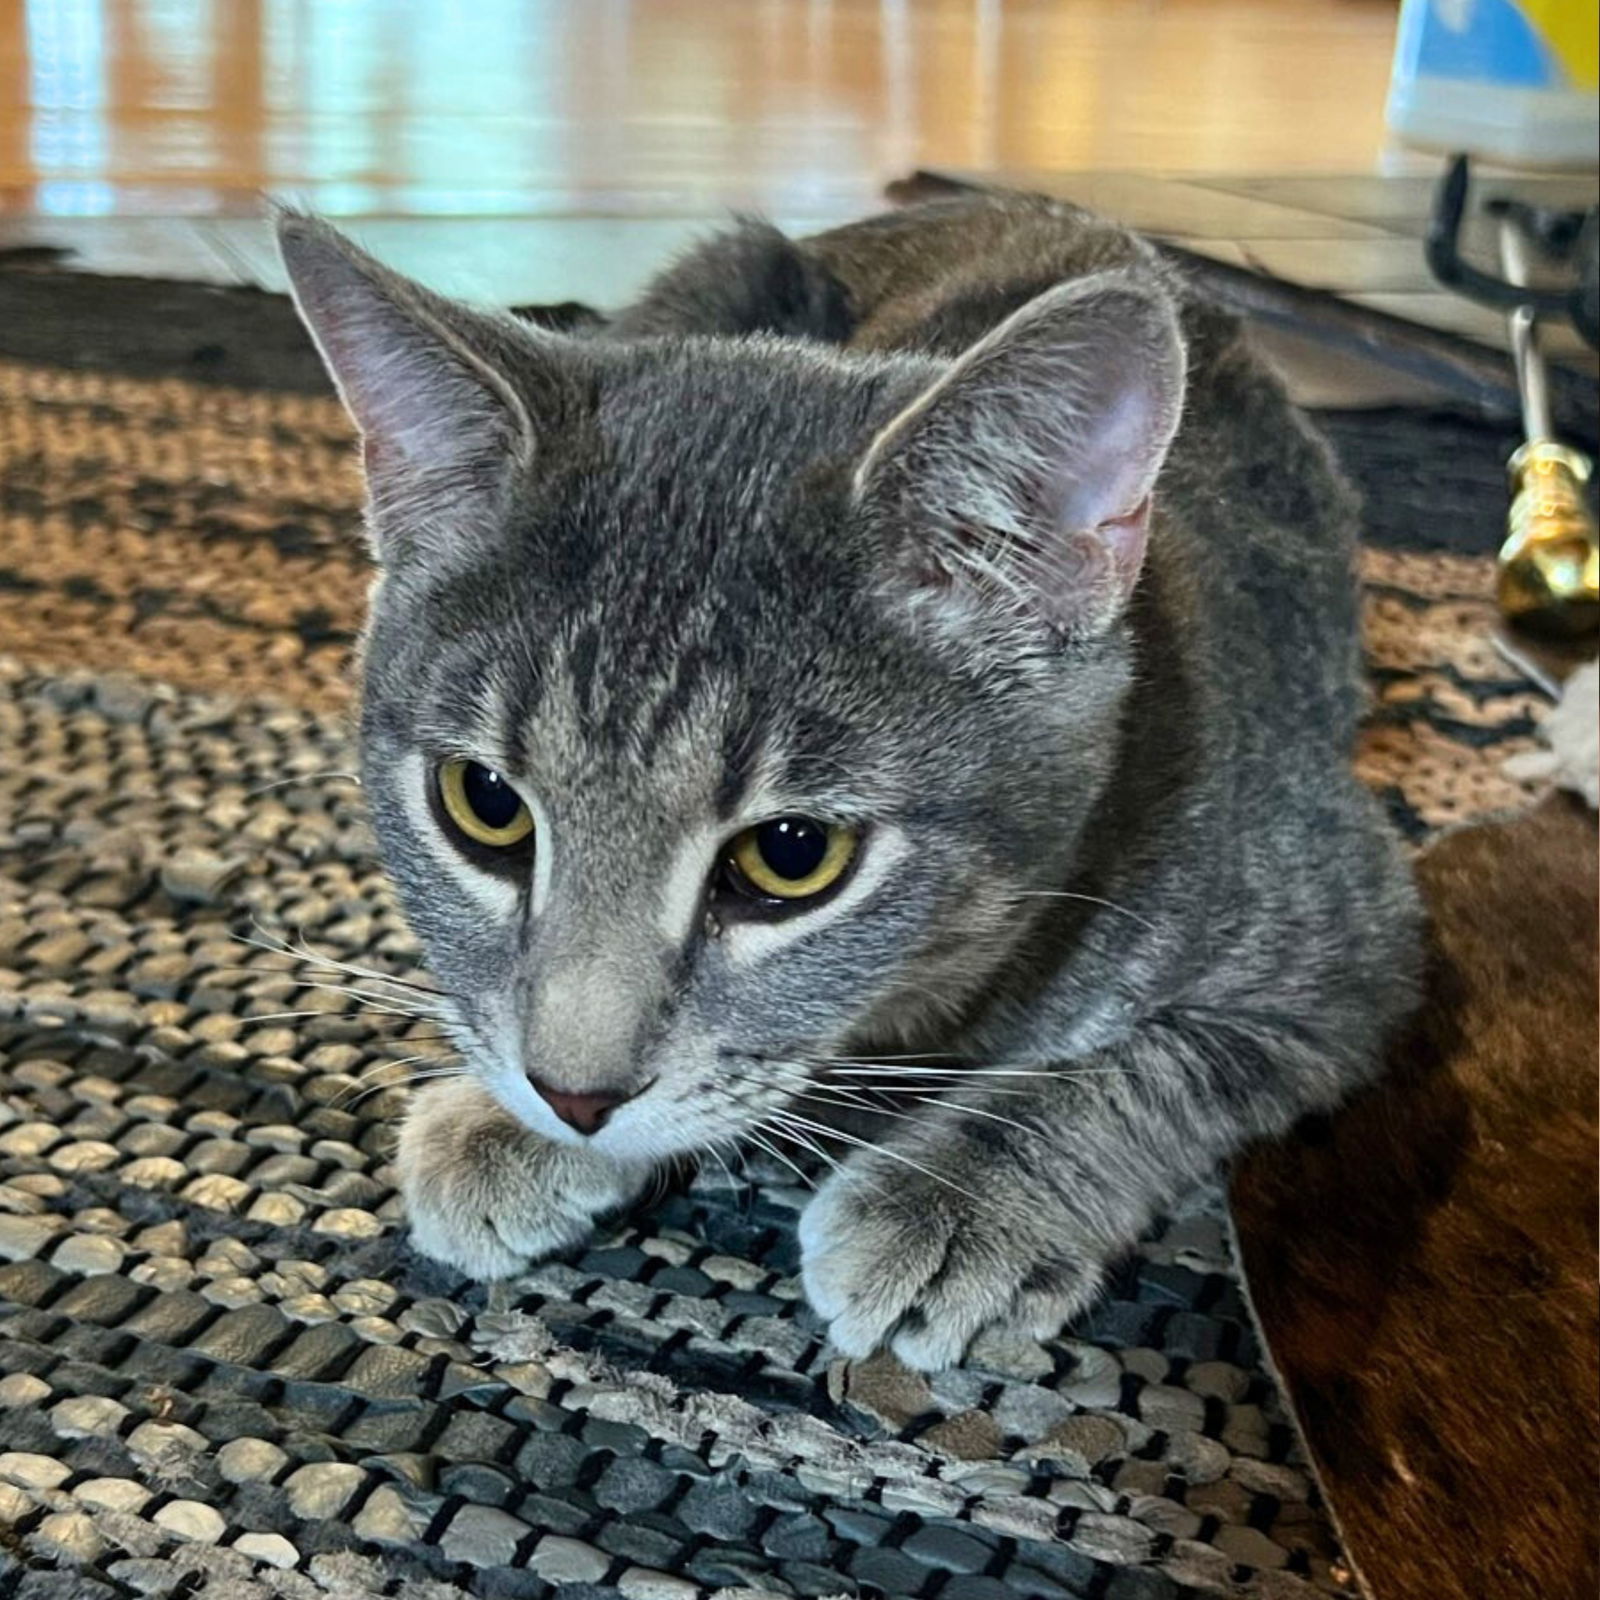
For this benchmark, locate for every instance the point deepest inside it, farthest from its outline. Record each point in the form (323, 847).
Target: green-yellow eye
(485, 807)
(791, 858)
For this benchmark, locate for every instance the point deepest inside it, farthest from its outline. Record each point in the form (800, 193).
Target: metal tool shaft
(1532, 380)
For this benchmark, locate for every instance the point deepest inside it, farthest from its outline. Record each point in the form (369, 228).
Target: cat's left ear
(426, 380)
(1015, 493)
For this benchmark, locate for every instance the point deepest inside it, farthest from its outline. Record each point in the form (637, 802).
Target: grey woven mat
(224, 1358)
(223, 1373)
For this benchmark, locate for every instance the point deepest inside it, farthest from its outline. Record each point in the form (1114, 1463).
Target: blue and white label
(1480, 41)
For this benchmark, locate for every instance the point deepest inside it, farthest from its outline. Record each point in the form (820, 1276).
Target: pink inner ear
(1084, 586)
(1124, 538)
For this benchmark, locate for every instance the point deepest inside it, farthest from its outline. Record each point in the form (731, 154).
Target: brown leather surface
(1423, 1267)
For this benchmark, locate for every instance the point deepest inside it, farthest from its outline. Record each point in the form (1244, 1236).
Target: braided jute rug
(223, 1372)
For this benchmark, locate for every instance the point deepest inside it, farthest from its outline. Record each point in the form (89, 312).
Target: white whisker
(382, 1005)
(405, 1061)
(772, 1150)
(409, 1081)
(866, 1106)
(306, 778)
(956, 1076)
(292, 1016)
(801, 1139)
(872, 1061)
(431, 1001)
(1088, 899)
(721, 1160)
(879, 1149)
(917, 1083)
(975, 1111)
(309, 957)
(783, 1124)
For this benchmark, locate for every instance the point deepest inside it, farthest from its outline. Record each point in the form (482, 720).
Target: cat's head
(732, 704)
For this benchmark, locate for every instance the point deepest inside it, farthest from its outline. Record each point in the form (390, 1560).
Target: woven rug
(222, 1371)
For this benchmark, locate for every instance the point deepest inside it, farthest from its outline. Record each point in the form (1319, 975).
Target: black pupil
(792, 847)
(494, 802)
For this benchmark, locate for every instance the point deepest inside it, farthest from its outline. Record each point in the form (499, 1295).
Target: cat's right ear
(1016, 493)
(443, 428)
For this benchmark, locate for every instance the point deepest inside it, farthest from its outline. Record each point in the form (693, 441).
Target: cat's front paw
(486, 1195)
(893, 1258)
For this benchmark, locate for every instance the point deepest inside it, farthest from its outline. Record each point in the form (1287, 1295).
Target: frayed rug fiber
(222, 1370)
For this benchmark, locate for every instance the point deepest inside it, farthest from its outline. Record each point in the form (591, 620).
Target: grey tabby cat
(920, 656)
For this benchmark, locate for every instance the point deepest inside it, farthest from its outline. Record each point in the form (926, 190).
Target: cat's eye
(790, 858)
(483, 805)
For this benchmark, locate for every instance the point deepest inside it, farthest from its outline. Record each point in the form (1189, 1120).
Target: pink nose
(585, 1112)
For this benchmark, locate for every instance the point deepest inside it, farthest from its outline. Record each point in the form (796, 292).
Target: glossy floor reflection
(526, 150)
(508, 107)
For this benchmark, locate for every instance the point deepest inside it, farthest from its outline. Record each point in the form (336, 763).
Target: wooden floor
(656, 107)
(525, 150)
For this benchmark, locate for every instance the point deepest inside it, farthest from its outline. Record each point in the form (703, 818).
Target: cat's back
(1254, 541)
(1259, 525)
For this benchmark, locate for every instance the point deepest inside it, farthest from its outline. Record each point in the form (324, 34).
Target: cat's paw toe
(863, 1265)
(883, 1268)
(929, 1347)
(484, 1222)
(444, 1228)
(488, 1197)
(918, 1269)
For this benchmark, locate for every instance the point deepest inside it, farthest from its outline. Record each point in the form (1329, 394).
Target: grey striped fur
(855, 526)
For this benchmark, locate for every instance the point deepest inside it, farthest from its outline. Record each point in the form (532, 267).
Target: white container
(1510, 81)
